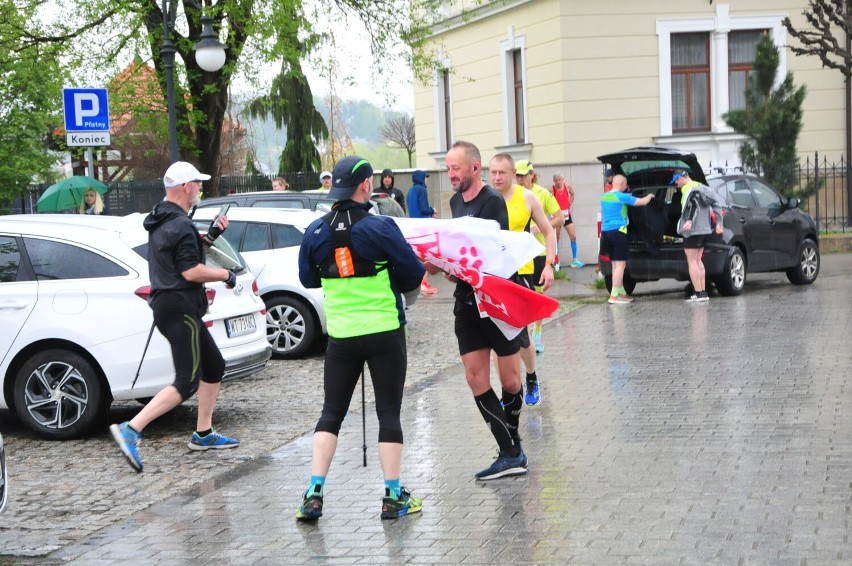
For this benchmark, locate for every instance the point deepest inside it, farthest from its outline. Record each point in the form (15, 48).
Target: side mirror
(793, 202)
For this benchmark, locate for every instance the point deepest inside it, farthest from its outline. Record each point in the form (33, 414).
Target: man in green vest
(364, 266)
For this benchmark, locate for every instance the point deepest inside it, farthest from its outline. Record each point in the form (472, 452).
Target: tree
(290, 103)
(771, 120)
(399, 130)
(830, 23)
(30, 106)
(95, 32)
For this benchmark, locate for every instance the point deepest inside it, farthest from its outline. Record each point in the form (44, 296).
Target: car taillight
(143, 292)
(211, 295)
(255, 288)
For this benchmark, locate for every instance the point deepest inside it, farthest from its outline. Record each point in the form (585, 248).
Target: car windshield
(220, 254)
(633, 167)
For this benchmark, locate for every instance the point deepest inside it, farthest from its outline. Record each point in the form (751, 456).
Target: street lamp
(209, 54)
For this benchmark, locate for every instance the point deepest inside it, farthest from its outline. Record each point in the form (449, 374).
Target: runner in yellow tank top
(523, 207)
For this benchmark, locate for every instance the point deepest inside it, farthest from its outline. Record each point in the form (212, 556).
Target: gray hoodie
(696, 209)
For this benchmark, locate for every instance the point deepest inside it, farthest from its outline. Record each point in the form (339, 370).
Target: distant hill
(363, 120)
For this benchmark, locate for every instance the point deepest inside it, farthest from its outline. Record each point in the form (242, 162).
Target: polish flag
(478, 252)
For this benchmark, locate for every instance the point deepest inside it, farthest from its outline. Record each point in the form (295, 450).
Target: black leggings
(386, 356)
(194, 352)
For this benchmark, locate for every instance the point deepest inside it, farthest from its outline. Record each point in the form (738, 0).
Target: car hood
(653, 165)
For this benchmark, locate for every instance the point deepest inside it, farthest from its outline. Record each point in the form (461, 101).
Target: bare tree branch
(400, 131)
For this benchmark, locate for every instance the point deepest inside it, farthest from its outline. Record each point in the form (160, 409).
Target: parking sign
(86, 109)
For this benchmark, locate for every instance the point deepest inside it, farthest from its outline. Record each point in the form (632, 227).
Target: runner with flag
(476, 335)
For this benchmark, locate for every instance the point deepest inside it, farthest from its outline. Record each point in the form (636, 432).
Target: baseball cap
(348, 173)
(609, 173)
(181, 172)
(677, 175)
(324, 174)
(523, 167)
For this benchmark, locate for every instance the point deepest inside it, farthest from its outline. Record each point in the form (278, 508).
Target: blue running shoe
(214, 441)
(533, 395)
(504, 466)
(128, 441)
(577, 263)
(406, 505)
(539, 348)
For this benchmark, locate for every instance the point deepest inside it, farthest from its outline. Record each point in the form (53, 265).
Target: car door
(781, 230)
(256, 247)
(754, 222)
(18, 292)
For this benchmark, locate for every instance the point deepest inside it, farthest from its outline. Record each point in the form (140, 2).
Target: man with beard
(478, 336)
(178, 273)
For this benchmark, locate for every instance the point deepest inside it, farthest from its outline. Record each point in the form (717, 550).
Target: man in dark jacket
(386, 186)
(178, 273)
(418, 198)
(364, 266)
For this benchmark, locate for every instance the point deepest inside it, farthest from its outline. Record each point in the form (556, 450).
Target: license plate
(240, 325)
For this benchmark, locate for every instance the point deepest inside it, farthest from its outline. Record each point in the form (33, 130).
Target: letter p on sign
(86, 105)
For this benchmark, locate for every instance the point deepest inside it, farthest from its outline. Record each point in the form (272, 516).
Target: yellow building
(560, 82)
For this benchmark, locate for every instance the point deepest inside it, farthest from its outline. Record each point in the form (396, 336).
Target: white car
(75, 320)
(269, 240)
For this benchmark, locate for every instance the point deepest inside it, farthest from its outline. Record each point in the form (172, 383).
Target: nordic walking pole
(364, 417)
(145, 351)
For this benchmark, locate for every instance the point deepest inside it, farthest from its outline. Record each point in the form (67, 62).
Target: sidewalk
(657, 442)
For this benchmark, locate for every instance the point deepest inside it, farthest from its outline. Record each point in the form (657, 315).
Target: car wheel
(806, 270)
(628, 283)
(733, 278)
(58, 394)
(290, 327)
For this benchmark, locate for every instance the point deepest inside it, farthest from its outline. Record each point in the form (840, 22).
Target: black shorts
(695, 242)
(567, 215)
(616, 241)
(538, 269)
(476, 333)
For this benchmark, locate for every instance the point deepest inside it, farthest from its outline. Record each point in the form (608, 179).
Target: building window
(515, 120)
(690, 56)
(446, 126)
(518, 94)
(742, 46)
(704, 63)
(443, 108)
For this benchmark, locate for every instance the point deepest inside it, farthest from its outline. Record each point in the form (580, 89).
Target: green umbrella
(68, 193)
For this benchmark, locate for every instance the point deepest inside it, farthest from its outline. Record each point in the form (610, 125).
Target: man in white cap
(178, 273)
(325, 179)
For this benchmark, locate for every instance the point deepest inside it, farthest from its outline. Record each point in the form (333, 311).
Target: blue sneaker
(504, 466)
(533, 395)
(539, 348)
(311, 508)
(214, 441)
(128, 441)
(577, 263)
(406, 504)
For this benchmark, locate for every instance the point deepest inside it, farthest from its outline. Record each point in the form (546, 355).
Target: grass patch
(599, 283)
(561, 275)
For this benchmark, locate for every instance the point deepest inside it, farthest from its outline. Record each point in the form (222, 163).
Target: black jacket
(397, 194)
(174, 246)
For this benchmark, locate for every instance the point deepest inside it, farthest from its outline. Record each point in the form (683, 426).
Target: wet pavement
(669, 433)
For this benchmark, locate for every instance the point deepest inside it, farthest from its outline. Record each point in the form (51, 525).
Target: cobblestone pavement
(669, 434)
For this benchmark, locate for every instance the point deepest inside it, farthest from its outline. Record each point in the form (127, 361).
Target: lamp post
(209, 54)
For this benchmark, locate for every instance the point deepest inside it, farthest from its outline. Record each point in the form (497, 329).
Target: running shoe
(703, 297)
(427, 289)
(533, 396)
(504, 466)
(693, 298)
(128, 441)
(577, 263)
(311, 508)
(620, 300)
(539, 348)
(393, 508)
(214, 441)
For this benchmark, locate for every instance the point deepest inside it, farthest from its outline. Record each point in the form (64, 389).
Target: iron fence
(824, 193)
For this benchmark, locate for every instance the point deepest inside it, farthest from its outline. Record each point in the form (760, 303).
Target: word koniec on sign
(82, 139)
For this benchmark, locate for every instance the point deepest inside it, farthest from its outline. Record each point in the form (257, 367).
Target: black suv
(764, 231)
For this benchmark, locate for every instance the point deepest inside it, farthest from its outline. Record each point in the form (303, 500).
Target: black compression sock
(489, 406)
